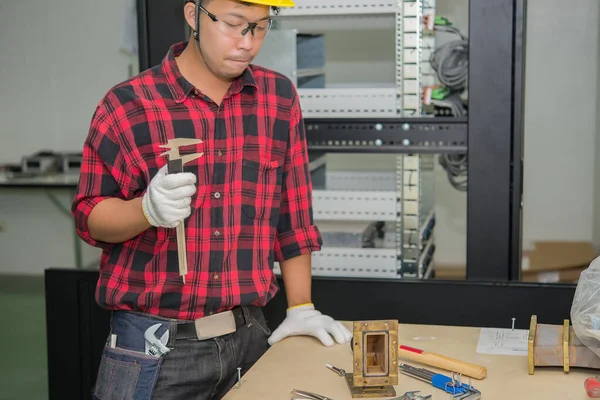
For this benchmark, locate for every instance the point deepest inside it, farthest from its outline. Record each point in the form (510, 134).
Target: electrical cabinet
(398, 95)
(374, 223)
(390, 113)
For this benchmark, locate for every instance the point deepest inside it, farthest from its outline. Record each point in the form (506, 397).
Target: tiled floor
(23, 367)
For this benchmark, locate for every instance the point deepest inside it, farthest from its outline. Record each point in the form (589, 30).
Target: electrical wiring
(450, 61)
(454, 103)
(455, 166)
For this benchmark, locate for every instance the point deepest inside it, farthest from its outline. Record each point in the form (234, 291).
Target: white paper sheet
(503, 341)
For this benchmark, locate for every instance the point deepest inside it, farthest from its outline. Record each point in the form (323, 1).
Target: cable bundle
(456, 169)
(450, 61)
(454, 103)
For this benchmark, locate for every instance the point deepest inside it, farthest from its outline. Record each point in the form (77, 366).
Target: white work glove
(305, 320)
(168, 198)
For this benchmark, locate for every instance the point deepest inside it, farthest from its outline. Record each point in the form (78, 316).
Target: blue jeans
(193, 369)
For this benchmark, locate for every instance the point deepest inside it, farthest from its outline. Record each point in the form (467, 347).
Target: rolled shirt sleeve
(296, 232)
(105, 173)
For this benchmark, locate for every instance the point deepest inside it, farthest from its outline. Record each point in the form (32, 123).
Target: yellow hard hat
(272, 3)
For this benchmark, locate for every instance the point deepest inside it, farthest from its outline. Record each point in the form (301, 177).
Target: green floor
(23, 367)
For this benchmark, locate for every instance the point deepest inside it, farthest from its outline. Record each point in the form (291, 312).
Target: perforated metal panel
(338, 7)
(356, 263)
(354, 205)
(360, 180)
(348, 102)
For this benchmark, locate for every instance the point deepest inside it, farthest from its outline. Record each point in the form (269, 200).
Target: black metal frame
(77, 327)
(496, 62)
(491, 135)
(388, 135)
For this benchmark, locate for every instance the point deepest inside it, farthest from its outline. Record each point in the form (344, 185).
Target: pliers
(413, 396)
(308, 395)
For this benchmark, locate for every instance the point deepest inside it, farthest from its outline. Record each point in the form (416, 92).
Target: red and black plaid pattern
(253, 204)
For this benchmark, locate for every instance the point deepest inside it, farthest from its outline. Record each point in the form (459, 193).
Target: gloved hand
(168, 199)
(305, 320)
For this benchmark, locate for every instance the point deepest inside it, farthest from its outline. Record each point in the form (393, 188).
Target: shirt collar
(181, 88)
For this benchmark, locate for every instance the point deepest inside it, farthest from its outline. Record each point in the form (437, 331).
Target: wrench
(413, 396)
(155, 346)
(470, 394)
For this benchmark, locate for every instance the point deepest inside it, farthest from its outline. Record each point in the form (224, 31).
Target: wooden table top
(299, 363)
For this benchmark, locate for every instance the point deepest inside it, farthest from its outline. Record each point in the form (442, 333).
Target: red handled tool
(592, 387)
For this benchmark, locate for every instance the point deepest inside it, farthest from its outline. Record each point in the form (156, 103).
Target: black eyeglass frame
(251, 25)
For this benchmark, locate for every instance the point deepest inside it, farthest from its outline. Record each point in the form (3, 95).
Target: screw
(513, 324)
(405, 126)
(378, 127)
(239, 376)
(337, 370)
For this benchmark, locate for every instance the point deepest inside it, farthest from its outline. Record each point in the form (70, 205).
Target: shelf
(354, 205)
(348, 102)
(330, 23)
(391, 135)
(361, 180)
(339, 7)
(341, 262)
(353, 263)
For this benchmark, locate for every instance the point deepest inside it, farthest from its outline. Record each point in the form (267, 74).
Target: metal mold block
(375, 368)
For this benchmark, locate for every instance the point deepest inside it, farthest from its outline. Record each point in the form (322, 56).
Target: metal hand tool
(175, 165)
(450, 384)
(308, 395)
(155, 346)
(337, 370)
(413, 396)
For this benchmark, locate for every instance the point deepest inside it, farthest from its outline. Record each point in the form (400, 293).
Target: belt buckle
(215, 325)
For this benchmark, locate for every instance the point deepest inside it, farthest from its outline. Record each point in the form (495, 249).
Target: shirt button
(196, 92)
(216, 276)
(217, 195)
(220, 153)
(217, 233)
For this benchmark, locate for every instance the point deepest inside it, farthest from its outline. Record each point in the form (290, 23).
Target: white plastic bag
(585, 310)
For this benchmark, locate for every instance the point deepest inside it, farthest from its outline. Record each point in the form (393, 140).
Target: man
(245, 203)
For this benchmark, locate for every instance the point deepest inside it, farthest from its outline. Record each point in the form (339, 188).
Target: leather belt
(187, 330)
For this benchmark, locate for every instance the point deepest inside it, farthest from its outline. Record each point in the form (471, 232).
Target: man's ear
(189, 13)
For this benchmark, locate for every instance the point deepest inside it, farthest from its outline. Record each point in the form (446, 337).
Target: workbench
(299, 363)
(48, 184)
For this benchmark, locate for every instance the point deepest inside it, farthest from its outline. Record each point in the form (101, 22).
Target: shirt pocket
(261, 189)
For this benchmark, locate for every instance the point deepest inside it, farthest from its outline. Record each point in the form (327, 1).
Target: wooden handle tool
(443, 362)
(175, 165)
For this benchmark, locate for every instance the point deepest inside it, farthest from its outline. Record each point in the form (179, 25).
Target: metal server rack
(404, 199)
(415, 172)
(492, 135)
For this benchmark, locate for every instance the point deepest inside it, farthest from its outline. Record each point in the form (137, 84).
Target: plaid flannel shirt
(253, 204)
